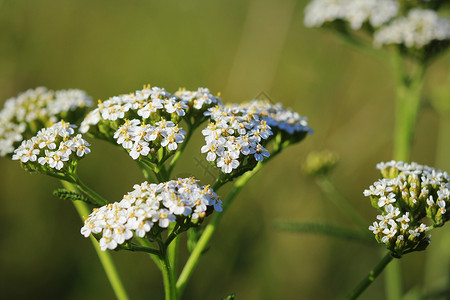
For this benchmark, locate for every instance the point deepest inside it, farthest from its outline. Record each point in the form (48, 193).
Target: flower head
(34, 109)
(237, 134)
(355, 12)
(53, 150)
(418, 29)
(148, 120)
(149, 209)
(407, 194)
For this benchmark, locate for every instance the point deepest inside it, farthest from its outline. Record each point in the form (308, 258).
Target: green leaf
(324, 229)
(72, 196)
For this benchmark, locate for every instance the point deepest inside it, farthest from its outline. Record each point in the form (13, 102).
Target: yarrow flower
(147, 120)
(237, 134)
(420, 28)
(280, 118)
(150, 209)
(355, 12)
(407, 194)
(33, 109)
(54, 150)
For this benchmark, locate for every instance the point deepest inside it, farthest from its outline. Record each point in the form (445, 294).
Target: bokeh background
(241, 48)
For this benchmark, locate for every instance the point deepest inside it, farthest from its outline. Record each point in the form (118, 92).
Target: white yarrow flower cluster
(146, 102)
(141, 139)
(148, 119)
(201, 99)
(279, 117)
(52, 149)
(39, 107)
(233, 133)
(418, 29)
(407, 194)
(151, 206)
(355, 12)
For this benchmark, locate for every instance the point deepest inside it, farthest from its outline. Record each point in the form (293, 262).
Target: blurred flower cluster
(34, 109)
(320, 163)
(415, 27)
(356, 12)
(406, 195)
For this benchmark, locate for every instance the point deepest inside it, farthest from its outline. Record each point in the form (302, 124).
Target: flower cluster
(33, 109)
(237, 134)
(407, 194)
(144, 139)
(355, 12)
(53, 150)
(149, 209)
(279, 118)
(198, 101)
(418, 29)
(146, 120)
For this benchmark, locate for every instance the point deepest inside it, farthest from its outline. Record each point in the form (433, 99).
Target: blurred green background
(239, 48)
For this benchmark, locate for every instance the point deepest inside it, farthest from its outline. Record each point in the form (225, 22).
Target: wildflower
(237, 134)
(151, 206)
(35, 108)
(405, 196)
(52, 149)
(420, 28)
(355, 12)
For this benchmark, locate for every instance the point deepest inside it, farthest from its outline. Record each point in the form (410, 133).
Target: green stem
(325, 229)
(138, 248)
(146, 171)
(408, 100)
(172, 243)
(360, 45)
(170, 290)
(394, 281)
(335, 196)
(156, 259)
(361, 287)
(90, 192)
(210, 229)
(104, 257)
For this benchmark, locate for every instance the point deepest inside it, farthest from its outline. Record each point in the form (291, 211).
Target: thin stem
(325, 229)
(210, 229)
(169, 281)
(104, 257)
(155, 170)
(362, 286)
(335, 196)
(146, 171)
(408, 99)
(360, 45)
(155, 257)
(394, 281)
(138, 248)
(91, 193)
(171, 244)
(170, 290)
